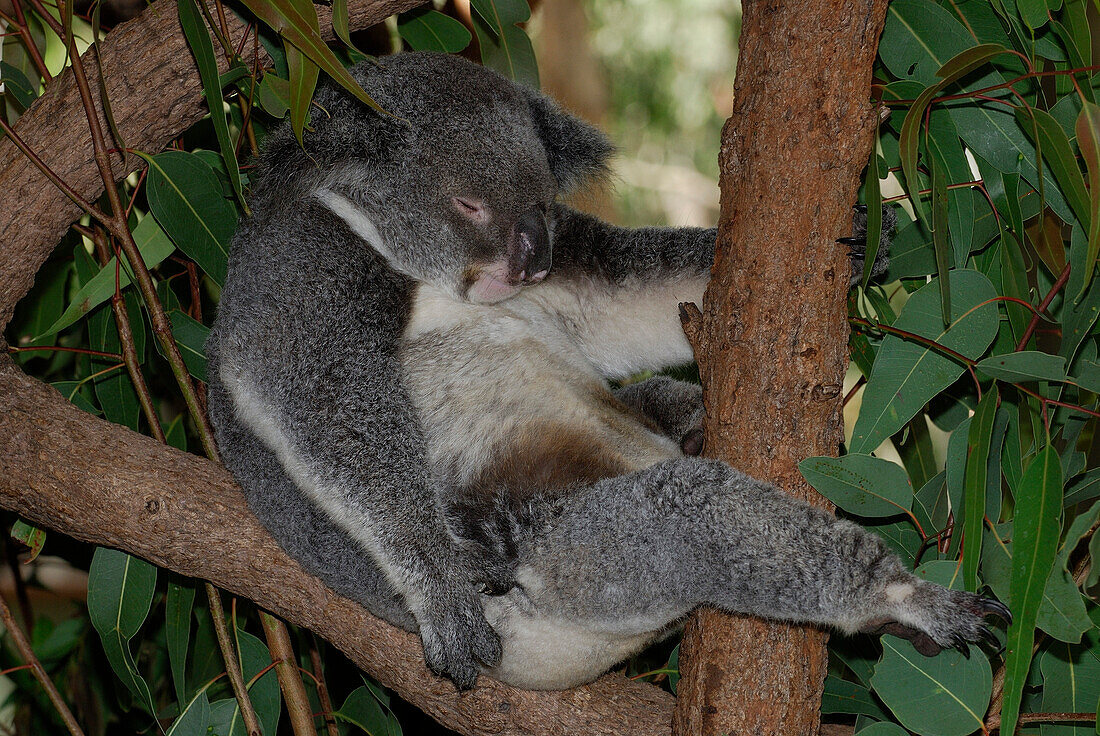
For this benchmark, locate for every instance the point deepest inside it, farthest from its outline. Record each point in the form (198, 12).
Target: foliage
(977, 364)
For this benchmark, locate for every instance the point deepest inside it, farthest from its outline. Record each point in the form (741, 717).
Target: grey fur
(422, 417)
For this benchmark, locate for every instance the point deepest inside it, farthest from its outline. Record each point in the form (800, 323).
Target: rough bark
(153, 85)
(772, 349)
(70, 472)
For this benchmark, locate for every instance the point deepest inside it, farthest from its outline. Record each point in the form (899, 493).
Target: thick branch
(774, 330)
(155, 92)
(70, 472)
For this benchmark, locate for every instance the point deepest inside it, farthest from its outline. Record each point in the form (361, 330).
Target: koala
(410, 378)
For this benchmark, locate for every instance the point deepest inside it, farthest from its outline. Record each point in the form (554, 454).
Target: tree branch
(68, 471)
(774, 327)
(155, 92)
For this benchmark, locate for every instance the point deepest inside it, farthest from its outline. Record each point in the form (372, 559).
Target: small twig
(994, 724)
(232, 664)
(83, 351)
(290, 682)
(24, 30)
(322, 688)
(1062, 279)
(126, 340)
(37, 669)
(853, 390)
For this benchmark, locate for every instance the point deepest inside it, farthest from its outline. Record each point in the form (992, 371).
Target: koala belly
(508, 403)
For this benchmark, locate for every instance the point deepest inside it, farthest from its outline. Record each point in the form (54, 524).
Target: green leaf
(1034, 543)
(202, 46)
(1058, 155)
(190, 336)
(945, 695)
(1088, 139)
(120, 593)
(917, 452)
(1071, 684)
(154, 246)
(919, 39)
(842, 696)
(1026, 365)
(284, 17)
(185, 197)
(941, 238)
(1033, 13)
(882, 728)
(340, 23)
(425, 29)
(194, 719)
(29, 536)
(303, 72)
(504, 45)
(977, 459)
(860, 484)
(1084, 488)
(907, 373)
(177, 612)
(1078, 316)
(363, 709)
(273, 95)
(17, 85)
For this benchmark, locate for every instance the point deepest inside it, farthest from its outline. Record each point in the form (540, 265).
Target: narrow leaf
(198, 39)
(426, 29)
(940, 237)
(1025, 365)
(1035, 542)
(177, 611)
(1088, 140)
(977, 457)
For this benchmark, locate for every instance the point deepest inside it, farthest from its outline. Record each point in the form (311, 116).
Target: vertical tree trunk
(772, 340)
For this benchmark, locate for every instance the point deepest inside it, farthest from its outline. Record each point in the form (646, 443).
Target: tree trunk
(772, 338)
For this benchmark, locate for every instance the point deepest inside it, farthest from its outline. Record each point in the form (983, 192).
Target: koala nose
(532, 253)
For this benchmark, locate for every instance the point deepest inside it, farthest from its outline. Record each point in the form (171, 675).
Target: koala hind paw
(933, 619)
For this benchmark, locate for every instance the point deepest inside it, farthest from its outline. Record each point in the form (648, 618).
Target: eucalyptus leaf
(860, 484)
(908, 373)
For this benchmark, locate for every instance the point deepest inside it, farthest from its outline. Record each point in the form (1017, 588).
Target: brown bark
(100, 483)
(773, 331)
(155, 94)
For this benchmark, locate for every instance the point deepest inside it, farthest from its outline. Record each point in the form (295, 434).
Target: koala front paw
(458, 640)
(934, 618)
(857, 243)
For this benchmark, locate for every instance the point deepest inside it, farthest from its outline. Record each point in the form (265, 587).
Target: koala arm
(618, 290)
(306, 361)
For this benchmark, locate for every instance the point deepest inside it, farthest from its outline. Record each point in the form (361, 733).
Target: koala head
(454, 185)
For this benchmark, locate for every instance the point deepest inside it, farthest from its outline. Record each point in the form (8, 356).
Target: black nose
(531, 253)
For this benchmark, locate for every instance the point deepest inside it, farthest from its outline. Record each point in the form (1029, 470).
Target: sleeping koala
(409, 378)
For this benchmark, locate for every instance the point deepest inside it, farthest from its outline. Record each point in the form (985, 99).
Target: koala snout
(529, 249)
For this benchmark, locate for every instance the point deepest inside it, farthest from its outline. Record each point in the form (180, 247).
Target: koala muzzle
(529, 249)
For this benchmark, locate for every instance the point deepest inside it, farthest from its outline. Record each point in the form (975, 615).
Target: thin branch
(232, 664)
(37, 669)
(24, 30)
(83, 351)
(290, 682)
(322, 688)
(1062, 279)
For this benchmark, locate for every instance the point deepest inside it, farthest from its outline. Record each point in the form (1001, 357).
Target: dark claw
(990, 605)
(852, 241)
(859, 207)
(989, 637)
(959, 643)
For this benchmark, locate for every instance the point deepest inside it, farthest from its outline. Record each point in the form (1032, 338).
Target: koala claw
(960, 643)
(990, 605)
(859, 207)
(989, 637)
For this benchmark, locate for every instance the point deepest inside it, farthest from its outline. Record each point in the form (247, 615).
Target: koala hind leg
(609, 568)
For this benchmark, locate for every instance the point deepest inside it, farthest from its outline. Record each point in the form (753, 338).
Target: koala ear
(577, 152)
